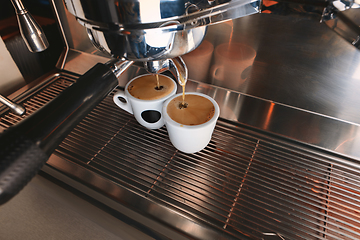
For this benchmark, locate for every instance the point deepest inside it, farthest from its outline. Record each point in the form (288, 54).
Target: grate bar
(263, 203)
(160, 176)
(208, 173)
(241, 185)
(104, 146)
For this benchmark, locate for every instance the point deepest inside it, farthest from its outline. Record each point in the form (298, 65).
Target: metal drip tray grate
(33, 100)
(244, 183)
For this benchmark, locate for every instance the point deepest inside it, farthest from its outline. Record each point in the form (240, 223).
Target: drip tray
(244, 184)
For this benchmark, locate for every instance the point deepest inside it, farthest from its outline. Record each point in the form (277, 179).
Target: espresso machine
(282, 163)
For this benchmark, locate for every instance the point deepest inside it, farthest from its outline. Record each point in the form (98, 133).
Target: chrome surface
(118, 67)
(159, 44)
(343, 5)
(152, 44)
(15, 108)
(30, 30)
(145, 31)
(340, 15)
(299, 63)
(141, 14)
(181, 71)
(344, 21)
(303, 8)
(175, 65)
(157, 66)
(290, 67)
(291, 70)
(247, 183)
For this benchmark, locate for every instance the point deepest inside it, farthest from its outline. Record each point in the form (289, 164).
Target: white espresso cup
(147, 112)
(190, 138)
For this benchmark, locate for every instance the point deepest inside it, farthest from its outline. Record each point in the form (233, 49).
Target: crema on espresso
(146, 87)
(197, 110)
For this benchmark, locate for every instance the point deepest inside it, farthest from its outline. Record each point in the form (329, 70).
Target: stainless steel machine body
(284, 159)
(145, 31)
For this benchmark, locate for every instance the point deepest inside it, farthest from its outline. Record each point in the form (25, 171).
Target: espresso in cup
(144, 96)
(190, 124)
(148, 88)
(194, 111)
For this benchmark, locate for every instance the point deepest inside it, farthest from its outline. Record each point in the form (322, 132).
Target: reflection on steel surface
(340, 15)
(299, 62)
(244, 184)
(317, 71)
(146, 31)
(274, 234)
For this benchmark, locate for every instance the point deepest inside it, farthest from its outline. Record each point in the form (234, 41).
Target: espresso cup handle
(124, 105)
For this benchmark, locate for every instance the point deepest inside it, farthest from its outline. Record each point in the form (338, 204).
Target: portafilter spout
(175, 65)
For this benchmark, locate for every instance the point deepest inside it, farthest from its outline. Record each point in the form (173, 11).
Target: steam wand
(35, 41)
(15, 108)
(30, 30)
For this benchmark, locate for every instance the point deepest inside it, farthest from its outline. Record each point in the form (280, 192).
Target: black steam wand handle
(26, 146)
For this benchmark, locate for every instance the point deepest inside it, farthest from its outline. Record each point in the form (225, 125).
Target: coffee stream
(158, 87)
(183, 83)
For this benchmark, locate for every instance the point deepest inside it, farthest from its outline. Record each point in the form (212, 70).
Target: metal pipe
(30, 30)
(15, 108)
